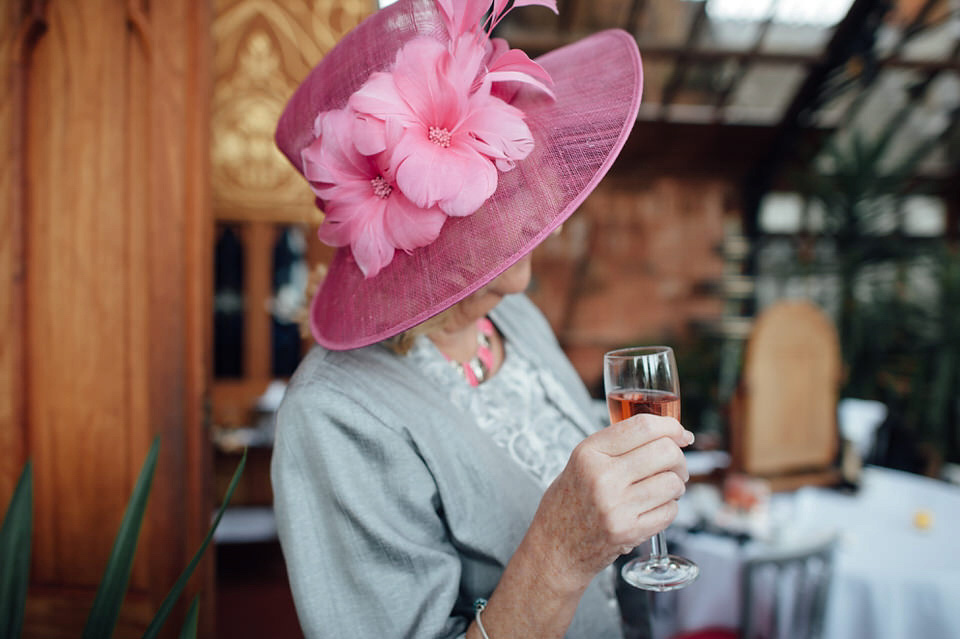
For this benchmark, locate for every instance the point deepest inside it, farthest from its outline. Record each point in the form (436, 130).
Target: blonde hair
(314, 279)
(400, 344)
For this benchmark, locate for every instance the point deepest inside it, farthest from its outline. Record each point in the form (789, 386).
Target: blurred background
(785, 214)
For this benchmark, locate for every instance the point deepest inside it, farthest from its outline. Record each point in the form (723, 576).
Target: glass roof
(756, 62)
(822, 13)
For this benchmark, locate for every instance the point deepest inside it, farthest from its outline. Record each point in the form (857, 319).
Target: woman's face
(514, 280)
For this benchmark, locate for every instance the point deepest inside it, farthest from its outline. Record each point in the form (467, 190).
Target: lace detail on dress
(519, 407)
(527, 413)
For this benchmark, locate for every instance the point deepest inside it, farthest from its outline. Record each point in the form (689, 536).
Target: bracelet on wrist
(478, 607)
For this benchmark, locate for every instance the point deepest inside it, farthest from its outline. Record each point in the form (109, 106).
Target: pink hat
(441, 157)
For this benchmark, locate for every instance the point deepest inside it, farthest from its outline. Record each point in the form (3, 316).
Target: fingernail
(688, 437)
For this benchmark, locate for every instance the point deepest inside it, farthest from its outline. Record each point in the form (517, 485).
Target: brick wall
(630, 266)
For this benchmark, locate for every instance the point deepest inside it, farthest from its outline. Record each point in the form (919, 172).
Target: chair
(783, 417)
(783, 595)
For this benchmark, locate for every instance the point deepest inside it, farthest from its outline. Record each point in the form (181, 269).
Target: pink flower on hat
(425, 139)
(452, 136)
(363, 207)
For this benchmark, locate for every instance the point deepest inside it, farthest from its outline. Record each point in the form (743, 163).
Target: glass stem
(658, 548)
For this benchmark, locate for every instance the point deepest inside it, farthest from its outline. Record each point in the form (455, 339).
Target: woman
(436, 471)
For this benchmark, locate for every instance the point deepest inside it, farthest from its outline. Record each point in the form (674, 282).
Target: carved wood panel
(263, 49)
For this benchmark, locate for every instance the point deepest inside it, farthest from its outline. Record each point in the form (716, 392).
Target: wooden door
(105, 292)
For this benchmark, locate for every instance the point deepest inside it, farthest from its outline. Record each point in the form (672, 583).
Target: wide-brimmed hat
(423, 222)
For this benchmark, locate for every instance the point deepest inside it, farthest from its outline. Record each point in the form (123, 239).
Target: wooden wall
(104, 291)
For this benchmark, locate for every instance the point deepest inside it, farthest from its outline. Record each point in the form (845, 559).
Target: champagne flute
(645, 380)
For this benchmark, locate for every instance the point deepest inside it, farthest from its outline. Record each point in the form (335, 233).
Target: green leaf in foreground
(113, 587)
(15, 556)
(154, 628)
(189, 629)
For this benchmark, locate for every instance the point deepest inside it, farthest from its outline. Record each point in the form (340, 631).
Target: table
(891, 578)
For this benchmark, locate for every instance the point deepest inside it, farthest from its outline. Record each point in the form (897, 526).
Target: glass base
(668, 573)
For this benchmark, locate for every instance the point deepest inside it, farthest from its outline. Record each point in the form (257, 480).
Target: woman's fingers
(634, 485)
(645, 497)
(654, 457)
(619, 488)
(655, 491)
(654, 521)
(624, 436)
(649, 447)
(632, 524)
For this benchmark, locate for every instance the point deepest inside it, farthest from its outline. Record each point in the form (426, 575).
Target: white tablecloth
(892, 579)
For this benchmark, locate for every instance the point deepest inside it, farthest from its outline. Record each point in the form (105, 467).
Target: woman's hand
(619, 488)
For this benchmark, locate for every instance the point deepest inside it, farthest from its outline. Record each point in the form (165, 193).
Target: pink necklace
(477, 368)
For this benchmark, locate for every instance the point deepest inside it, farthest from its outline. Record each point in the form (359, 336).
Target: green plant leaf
(15, 555)
(113, 587)
(189, 629)
(154, 628)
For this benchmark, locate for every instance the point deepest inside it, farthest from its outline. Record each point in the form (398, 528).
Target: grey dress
(395, 510)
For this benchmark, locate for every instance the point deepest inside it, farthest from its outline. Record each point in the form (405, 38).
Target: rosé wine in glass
(624, 404)
(645, 380)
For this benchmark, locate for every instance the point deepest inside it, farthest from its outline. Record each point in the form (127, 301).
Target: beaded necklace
(477, 368)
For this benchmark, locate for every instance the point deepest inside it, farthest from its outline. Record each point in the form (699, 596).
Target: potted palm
(15, 538)
(900, 345)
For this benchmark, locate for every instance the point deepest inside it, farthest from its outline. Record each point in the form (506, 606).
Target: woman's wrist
(538, 593)
(552, 563)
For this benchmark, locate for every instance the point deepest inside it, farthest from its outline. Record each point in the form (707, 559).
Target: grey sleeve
(360, 524)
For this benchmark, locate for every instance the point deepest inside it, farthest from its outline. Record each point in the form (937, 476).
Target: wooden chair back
(784, 414)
